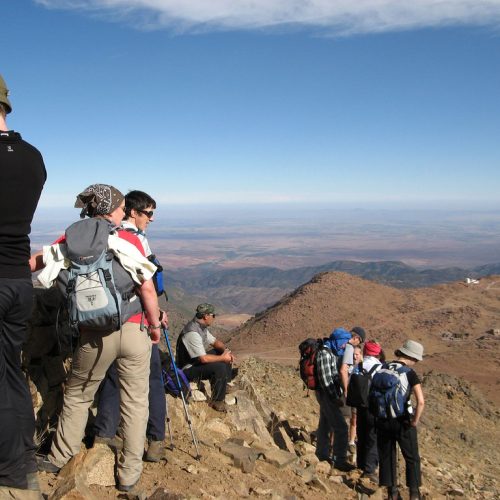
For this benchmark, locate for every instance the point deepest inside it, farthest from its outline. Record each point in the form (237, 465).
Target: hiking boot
(393, 493)
(32, 480)
(115, 442)
(45, 465)
(218, 406)
(127, 488)
(344, 466)
(372, 476)
(156, 451)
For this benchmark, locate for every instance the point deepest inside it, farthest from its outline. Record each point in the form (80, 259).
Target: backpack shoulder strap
(372, 369)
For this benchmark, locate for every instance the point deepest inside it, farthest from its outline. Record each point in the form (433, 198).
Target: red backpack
(307, 364)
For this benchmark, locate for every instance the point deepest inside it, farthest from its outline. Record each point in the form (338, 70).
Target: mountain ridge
(445, 318)
(252, 289)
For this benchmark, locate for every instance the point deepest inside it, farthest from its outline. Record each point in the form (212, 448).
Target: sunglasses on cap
(147, 213)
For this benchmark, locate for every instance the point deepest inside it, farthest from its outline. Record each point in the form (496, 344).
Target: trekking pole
(169, 427)
(179, 386)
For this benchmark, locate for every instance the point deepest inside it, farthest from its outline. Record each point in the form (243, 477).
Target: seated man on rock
(203, 357)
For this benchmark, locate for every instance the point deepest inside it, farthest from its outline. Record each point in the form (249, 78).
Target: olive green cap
(4, 93)
(205, 309)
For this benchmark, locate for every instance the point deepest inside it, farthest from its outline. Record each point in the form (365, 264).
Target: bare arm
(149, 299)
(36, 262)
(219, 346)
(344, 376)
(419, 409)
(225, 357)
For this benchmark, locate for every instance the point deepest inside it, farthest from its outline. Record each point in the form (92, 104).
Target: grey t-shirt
(197, 344)
(348, 358)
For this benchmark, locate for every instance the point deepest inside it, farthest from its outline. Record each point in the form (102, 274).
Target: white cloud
(340, 17)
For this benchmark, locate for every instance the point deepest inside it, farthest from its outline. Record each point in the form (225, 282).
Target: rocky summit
(264, 445)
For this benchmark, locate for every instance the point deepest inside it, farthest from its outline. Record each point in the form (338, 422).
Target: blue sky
(260, 101)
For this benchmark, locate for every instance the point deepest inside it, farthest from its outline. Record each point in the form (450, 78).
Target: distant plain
(290, 236)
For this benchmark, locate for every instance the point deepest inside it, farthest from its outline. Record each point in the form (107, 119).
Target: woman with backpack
(102, 340)
(394, 427)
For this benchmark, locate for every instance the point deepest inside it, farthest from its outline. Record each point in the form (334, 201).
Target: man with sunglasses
(203, 357)
(139, 207)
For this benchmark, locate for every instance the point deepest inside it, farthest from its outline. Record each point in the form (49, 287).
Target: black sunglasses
(147, 213)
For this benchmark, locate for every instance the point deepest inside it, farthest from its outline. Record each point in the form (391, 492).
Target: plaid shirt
(327, 372)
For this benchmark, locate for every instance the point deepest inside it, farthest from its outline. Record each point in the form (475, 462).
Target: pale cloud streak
(335, 17)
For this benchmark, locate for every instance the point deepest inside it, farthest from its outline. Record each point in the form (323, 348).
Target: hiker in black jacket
(22, 176)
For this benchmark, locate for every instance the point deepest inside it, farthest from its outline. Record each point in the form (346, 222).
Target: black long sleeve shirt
(22, 176)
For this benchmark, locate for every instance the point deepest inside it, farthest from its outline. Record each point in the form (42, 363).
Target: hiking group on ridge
(375, 394)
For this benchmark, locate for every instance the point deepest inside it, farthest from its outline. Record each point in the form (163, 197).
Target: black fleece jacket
(22, 176)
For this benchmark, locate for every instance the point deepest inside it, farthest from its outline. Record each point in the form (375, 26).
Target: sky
(254, 102)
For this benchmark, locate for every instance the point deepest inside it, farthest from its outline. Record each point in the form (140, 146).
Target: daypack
(98, 292)
(389, 391)
(359, 387)
(307, 363)
(170, 381)
(338, 340)
(157, 278)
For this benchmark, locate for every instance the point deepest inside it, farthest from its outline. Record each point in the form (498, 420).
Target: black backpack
(359, 387)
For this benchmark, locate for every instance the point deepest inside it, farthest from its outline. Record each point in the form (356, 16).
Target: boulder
(243, 457)
(280, 458)
(248, 419)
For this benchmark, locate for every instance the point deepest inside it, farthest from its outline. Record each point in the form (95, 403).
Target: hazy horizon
(303, 235)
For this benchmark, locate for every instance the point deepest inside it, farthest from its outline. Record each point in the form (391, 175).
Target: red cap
(372, 349)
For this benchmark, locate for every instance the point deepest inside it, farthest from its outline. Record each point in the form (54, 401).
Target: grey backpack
(99, 293)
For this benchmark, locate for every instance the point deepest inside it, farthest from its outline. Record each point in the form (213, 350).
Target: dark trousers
(17, 422)
(218, 373)
(331, 420)
(389, 433)
(366, 445)
(108, 412)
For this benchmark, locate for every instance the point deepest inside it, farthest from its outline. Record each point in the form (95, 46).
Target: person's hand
(227, 357)
(154, 334)
(164, 318)
(413, 422)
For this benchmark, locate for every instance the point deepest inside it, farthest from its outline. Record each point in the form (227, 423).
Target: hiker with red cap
(366, 445)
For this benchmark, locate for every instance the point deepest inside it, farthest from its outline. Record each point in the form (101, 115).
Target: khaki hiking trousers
(131, 349)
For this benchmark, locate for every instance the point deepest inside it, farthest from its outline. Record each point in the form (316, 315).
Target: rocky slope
(262, 448)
